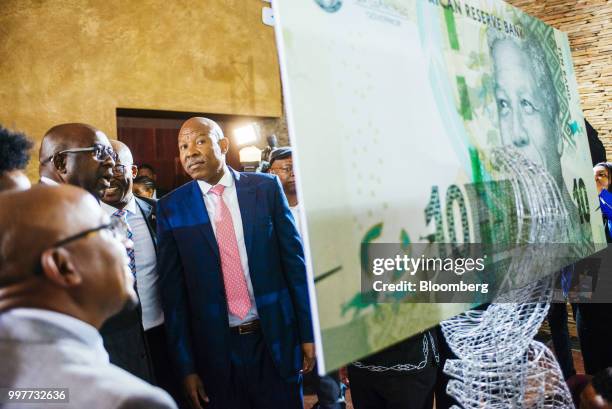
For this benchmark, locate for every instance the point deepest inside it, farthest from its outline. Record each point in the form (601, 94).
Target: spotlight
(246, 135)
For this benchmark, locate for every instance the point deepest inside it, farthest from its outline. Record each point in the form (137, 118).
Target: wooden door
(154, 141)
(157, 147)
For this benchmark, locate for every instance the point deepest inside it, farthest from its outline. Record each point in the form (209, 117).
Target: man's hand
(195, 391)
(308, 352)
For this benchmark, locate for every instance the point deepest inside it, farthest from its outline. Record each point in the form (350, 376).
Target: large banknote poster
(396, 108)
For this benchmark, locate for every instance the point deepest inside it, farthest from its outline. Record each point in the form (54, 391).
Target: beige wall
(79, 60)
(588, 24)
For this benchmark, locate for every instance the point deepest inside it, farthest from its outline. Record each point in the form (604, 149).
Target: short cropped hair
(14, 150)
(147, 182)
(147, 166)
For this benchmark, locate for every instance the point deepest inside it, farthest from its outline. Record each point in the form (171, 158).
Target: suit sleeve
(605, 201)
(292, 262)
(174, 297)
(156, 399)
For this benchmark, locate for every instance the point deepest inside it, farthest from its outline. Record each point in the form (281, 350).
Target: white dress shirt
(230, 197)
(46, 181)
(147, 279)
(295, 211)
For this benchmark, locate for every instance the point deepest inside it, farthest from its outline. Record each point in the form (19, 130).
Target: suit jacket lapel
(147, 211)
(194, 206)
(246, 202)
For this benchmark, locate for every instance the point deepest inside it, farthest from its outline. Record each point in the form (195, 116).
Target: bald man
(135, 339)
(63, 272)
(79, 155)
(234, 286)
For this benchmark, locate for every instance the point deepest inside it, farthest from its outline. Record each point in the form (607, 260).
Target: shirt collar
(130, 207)
(226, 180)
(79, 329)
(45, 180)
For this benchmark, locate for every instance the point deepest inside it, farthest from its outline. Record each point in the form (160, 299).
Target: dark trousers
(254, 380)
(162, 368)
(329, 390)
(557, 320)
(443, 400)
(412, 390)
(595, 333)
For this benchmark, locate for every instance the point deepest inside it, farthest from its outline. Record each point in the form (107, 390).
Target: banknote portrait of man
(527, 102)
(528, 110)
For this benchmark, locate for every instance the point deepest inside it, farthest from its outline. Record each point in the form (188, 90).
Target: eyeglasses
(284, 169)
(100, 152)
(116, 227)
(119, 169)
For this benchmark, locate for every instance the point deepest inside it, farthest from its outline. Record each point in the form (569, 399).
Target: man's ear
(134, 171)
(224, 145)
(59, 269)
(59, 163)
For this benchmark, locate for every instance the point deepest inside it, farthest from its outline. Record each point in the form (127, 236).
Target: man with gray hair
(528, 111)
(527, 103)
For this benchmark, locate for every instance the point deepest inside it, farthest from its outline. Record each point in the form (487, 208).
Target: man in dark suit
(234, 286)
(135, 338)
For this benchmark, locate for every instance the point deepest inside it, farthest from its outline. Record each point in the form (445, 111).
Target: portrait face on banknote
(526, 103)
(528, 110)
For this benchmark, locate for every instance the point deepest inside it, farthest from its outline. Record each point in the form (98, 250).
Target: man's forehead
(511, 56)
(124, 156)
(189, 134)
(84, 138)
(100, 137)
(283, 161)
(195, 130)
(65, 203)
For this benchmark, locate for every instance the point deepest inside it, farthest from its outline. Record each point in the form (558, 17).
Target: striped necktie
(122, 215)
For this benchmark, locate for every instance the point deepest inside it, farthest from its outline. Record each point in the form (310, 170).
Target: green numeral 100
(433, 211)
(580, 196)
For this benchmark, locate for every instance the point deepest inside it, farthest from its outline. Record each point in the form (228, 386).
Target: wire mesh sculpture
(500, 365)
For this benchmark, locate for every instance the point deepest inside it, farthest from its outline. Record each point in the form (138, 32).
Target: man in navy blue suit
(233, 281)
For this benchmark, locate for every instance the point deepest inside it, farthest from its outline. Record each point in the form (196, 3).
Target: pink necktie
(236, 290)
